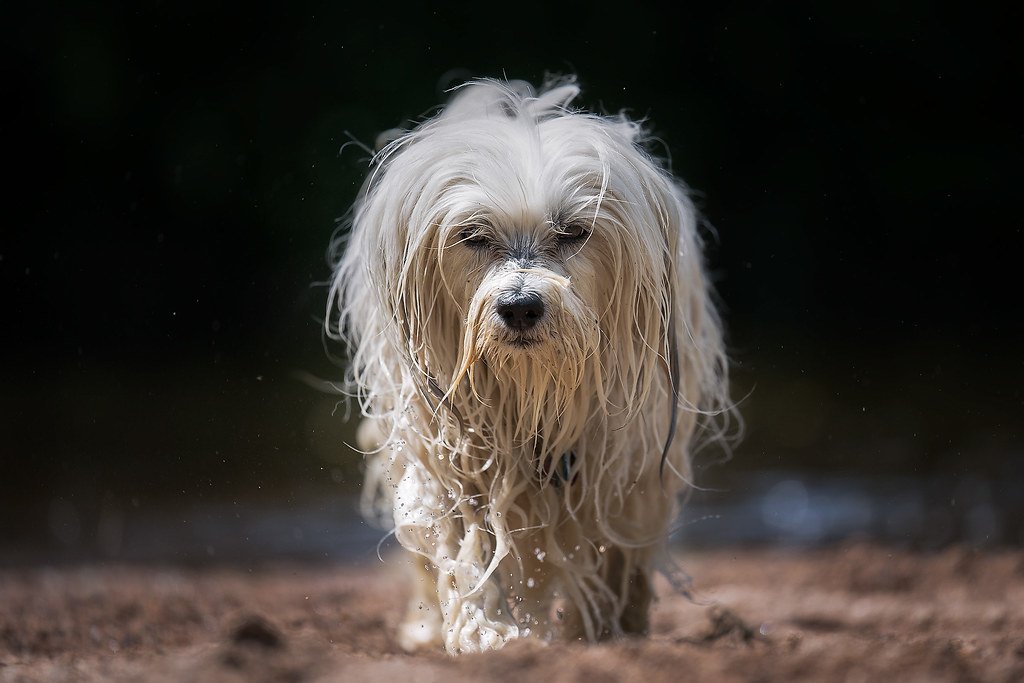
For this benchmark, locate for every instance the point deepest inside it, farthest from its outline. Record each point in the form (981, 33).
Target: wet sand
(856, 612)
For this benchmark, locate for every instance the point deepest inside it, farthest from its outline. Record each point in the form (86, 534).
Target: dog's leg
(474, 616)
(627, 577)
(569, 620)
(635, 615)
(533, 603)
(421, 627)
(474, 620)
(542, 604)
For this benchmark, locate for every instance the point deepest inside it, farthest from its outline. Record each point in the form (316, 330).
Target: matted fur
(532, 476)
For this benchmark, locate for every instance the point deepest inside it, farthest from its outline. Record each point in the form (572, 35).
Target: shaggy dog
(535, 348)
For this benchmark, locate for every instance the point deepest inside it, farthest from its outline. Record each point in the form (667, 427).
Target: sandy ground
(853, 613)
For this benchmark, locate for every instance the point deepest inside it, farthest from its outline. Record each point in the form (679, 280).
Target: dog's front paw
(420, 634)
(475, 631)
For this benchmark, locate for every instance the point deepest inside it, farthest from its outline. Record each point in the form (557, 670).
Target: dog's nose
(521, 312)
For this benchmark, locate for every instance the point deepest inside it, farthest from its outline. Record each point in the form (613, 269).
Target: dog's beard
(523, 390)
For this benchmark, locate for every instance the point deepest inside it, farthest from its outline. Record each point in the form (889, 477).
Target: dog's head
(512, 246)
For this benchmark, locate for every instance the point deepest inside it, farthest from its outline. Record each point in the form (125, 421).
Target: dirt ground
(852, 613)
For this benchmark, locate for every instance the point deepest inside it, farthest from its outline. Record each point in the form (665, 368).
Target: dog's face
(522, 270)
(535, 240)
(531, 251)
(521, 275)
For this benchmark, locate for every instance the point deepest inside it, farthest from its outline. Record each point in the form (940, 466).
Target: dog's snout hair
(520, 311)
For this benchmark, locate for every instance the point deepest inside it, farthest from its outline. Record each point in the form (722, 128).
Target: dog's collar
(564, 473)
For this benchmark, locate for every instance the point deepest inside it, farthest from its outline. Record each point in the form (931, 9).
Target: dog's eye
(572, 233)
(472, 238)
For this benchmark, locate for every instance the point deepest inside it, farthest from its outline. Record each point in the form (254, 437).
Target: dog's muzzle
(520, 312)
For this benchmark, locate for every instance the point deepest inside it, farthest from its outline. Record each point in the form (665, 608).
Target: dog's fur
(529, 460)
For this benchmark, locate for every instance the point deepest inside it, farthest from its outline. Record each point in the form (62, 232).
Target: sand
(857, 612)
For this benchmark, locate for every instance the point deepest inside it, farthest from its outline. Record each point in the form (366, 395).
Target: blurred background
(175, 172)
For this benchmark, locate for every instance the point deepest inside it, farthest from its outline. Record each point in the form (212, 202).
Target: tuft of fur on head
(509, 192)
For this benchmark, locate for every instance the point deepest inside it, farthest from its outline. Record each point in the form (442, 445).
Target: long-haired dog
(535, 348)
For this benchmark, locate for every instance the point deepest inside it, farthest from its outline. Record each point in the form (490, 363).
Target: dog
(535, 347)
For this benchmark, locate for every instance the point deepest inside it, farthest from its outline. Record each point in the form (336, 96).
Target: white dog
(534, 347)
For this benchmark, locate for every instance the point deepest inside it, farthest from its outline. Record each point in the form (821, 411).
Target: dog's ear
(556, 95)
(386, 137)
(672, 303)
(487, 97)
(511, 99)
(694, 348)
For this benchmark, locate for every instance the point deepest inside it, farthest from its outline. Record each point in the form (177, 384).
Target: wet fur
(533, 477)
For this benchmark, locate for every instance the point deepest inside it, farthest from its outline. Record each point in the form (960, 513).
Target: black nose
(521, 312)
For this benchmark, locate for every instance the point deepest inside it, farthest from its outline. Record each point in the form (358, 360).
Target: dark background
(174, 176)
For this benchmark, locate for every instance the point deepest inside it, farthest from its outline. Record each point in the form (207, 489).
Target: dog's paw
(420, 633)
(475, 631)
